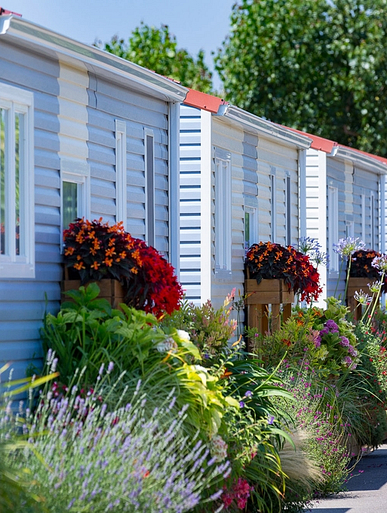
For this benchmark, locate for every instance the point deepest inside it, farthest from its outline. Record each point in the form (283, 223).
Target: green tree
(316, 65)
(156, 49)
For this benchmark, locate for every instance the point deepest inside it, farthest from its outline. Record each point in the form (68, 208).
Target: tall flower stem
(376, 300)
(347, 278)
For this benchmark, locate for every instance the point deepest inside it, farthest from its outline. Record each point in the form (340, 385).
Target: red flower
(273, 261)
(149, 279)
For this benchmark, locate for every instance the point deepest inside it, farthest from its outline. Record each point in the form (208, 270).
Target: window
(223, 211)
(333, 230)
(349, 229)
(288, 200)
(75, 192)
(150, 197)
(251, 235)
(363, 217)
(17, 226)
(373, 224)
(273, 204)
(121, 193)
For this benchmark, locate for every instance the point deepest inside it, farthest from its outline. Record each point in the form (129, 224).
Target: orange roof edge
(203, 101)
(318, 143)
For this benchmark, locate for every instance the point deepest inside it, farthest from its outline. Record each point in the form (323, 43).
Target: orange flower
(108, 262)
(69, 251)
(110, 252)
(95, 265)
(79, 266)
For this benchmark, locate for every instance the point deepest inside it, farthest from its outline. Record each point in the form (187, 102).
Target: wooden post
(259, 297)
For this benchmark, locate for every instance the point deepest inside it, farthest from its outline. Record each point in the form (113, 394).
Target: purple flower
(347, 361)
(270, 419)
(332, 326)
(345, 342)
(317, 342)
(241, 404)
(110, 367)
(352, 351)
(249, 393)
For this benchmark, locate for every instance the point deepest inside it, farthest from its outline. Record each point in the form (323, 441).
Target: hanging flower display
(268, 260)
(94, 250)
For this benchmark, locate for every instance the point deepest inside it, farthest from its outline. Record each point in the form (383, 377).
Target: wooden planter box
(268, 292)
(355, 285)
(112, 290)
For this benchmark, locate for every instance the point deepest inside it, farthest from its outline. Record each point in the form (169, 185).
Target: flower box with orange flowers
(141, 276)
(271, 261)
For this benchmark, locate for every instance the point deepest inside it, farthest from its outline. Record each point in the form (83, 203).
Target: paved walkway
(367, 491)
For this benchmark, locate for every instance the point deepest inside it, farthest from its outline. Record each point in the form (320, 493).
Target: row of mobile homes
(86, 133)
(83, 133)
(342, 195)
(239, 183)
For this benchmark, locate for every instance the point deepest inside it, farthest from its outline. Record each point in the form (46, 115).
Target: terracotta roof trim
(203, 101)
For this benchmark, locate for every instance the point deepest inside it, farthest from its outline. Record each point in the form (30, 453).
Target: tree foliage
(316, 65)
(156, 49)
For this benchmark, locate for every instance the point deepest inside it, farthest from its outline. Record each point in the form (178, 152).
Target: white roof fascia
(49, 41)
(365, 161)
(257, 124)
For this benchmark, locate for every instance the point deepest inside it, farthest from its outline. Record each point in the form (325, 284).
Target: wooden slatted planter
(268, 292)
(112, 290)
(355, 285)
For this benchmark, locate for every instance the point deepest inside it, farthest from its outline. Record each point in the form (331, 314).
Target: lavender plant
(121, 460)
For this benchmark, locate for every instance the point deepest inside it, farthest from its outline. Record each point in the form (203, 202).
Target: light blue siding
(23, 302)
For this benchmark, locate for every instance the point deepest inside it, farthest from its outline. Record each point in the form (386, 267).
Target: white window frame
(273, 204)
(76, 171)
(150, 189)
(349, 228)
(14, 99)
(373, 224)
(253, 227)
(288, 209)
(223, 212)
(333, 228)
(363, 217)
(121, 182)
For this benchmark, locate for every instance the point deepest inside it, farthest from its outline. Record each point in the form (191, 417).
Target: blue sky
(196, 24)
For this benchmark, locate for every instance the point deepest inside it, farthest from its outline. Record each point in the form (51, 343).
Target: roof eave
(263, 126)
(48, 40)
(364, 160)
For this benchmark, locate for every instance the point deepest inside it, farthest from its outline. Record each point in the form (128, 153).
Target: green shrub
(87, 333)
(210, 330)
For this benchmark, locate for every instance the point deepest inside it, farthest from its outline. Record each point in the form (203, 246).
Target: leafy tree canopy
(156, 49)
(316, 65)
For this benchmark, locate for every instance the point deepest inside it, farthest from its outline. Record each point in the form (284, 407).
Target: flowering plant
(364, 265)
(272, 261)
(94, 250)
(335, 346)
